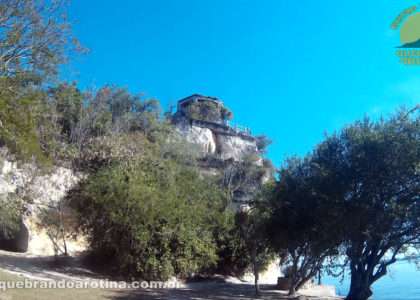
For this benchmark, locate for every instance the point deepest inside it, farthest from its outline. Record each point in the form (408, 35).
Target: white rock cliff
(212, 140)
(41, 191)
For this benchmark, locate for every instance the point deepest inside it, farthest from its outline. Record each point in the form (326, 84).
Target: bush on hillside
(151, 216)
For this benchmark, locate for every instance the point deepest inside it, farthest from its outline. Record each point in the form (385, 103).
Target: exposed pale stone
(235, 147)
(203, 137)
(42, 190)
(226, 146)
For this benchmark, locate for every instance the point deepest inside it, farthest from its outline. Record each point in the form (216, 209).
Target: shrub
(151, 217)
(207, 111)
(232, 253)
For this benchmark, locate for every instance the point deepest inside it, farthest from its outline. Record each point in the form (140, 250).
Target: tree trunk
(63, 234)
(359, 293)
(359, 287)
(256, 271)
(297, 286)
(292, 291)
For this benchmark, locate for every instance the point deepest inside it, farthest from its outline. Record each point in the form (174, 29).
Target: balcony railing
(238, 127)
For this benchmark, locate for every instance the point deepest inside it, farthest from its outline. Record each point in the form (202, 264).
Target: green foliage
(263, 142)
(358, 192)
(24, 127)
(252, 225)
(232, 253)
(302, 228)
(12, 207)
(153, 216)
(370, 173)
(35, 38)
(68, 101)
(244, 178)
(115, 111)
(143, 204)
(226, 114)
(207, 111)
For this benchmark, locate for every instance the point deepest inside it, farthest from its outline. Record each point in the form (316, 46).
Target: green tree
(151, 215)
(24, 125)
(243, 181)
(226, 113)
(302, 227)
(113, 111)
(371, 174)
(232, 251)
(12, 206)
(35, 38)
(252, 223)
(243, 178)
(263, 142)
(208, 111)
(68, 102)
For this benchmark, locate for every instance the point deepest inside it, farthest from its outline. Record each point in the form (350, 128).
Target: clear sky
(289, 69)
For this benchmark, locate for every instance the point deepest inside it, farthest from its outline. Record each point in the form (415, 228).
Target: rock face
(204, 138)
(235, 147)
(221, 144)
(19, 242)
(219, 140)
(41, 191)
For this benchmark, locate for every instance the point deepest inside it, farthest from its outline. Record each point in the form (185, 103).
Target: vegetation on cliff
(208, 111)
(143, 207)
(152, 216)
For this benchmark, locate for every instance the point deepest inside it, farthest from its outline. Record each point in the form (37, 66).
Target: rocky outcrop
(18, 242)
(41, 191)
(235, 147)
(204, 138)
(219, 140)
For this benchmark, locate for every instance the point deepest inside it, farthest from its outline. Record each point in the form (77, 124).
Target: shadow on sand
(205, 290)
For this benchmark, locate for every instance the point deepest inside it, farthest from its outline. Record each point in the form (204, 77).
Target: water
(401, 283)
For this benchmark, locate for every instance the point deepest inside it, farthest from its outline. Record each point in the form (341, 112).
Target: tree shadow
(74, 268)
(49, 267)
(204, 290)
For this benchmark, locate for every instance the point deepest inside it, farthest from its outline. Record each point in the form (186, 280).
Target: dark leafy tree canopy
(371, 174)
(152, 215)
(302, 227)
(208, 111)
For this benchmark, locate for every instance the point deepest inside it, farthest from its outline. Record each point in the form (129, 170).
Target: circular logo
(410, 32)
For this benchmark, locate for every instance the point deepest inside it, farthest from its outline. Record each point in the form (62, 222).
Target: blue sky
(289, 69)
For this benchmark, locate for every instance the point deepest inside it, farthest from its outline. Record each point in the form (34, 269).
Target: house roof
(199, 96)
